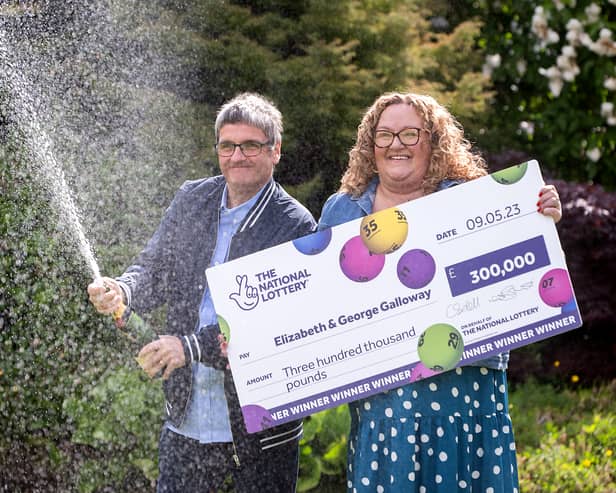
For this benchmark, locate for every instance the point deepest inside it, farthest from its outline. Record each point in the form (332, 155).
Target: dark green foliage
(588, 234)
(324, 449)
(120, 415)
(62, 366)
(565, 439)
(38, 273)
(323, 63)
(49, 338)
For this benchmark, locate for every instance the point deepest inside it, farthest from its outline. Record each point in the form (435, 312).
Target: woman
(409, 146)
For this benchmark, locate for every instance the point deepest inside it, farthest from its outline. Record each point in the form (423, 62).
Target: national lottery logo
(246, 297)
(269, 286)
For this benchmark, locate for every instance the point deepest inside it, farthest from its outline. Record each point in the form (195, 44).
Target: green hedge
(55, 351)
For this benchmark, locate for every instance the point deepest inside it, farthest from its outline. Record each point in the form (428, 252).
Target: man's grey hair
(251, 109)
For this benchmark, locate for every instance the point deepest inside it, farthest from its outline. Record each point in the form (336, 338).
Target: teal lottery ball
(224, 328)
(313, 243)
(511, 175)
(440, 347)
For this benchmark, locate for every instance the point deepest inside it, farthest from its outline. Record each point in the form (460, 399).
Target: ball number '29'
(440, 347)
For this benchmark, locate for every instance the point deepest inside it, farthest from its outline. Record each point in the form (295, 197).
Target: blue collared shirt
(207, 419)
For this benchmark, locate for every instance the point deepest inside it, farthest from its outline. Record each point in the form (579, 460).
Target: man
(210, 221)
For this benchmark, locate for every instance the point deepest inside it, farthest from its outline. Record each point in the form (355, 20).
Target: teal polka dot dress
(446, 434)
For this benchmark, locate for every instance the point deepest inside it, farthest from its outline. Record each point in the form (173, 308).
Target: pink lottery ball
(420, 371)
(555, 288)
(416, 268)
(357, 263)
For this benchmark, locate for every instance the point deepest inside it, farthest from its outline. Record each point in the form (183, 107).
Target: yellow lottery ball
(384, 231)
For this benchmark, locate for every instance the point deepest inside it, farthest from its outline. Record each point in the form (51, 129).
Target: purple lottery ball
(313, 243)
(256, 418)
(555, 288)
(357, 263)
(416, 268)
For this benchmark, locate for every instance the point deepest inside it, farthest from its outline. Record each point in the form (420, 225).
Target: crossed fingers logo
(246, 297)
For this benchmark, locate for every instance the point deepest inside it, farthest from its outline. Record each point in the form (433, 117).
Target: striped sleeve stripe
(194, 337)
(192, 356)
(126, 290)
(271, 445)
(299, 427)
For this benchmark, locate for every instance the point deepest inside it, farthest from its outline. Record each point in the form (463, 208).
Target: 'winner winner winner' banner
(400, 295)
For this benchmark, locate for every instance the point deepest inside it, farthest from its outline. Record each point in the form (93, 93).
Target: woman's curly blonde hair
(451, 155)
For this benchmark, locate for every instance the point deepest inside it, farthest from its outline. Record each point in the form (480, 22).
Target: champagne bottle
(133, 327)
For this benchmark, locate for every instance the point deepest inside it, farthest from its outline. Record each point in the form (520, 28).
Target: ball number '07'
(501, 270)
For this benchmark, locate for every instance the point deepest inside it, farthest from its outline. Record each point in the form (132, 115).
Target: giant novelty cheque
(400, 295)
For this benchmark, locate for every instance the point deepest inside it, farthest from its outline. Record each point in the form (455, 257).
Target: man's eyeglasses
(249, 148)
(408, 136)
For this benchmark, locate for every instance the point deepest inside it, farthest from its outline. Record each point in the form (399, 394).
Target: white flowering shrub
(553, 65)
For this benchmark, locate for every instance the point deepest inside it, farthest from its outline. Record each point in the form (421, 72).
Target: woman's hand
(549, 203)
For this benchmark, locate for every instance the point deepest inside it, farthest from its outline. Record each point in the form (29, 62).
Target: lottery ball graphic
(384, 231)
(569, 307)
(256, 418)
(358, 263)
(440, 347)
(416, 268)
(420, 371)
(224, 328)
(313, 243)
(511, 175)
(555, 288)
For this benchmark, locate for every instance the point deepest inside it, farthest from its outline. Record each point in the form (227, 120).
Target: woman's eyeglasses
(408, 136)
